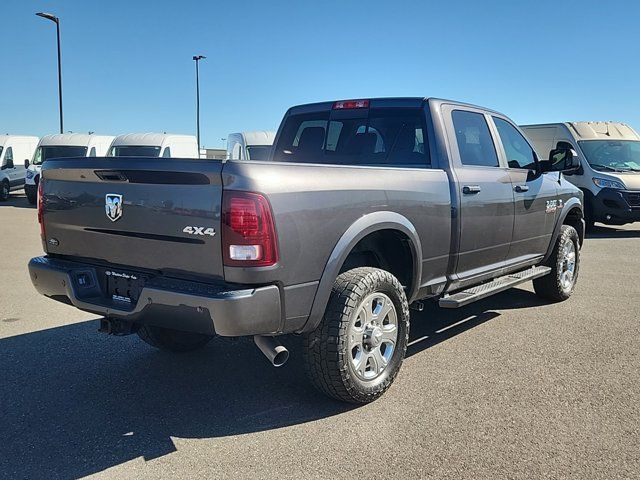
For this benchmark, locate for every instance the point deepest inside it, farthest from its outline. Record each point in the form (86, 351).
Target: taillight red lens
(350, 104)
(41, 207)
(248, 230)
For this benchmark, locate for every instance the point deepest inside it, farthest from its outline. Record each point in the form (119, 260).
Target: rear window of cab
(376, 136)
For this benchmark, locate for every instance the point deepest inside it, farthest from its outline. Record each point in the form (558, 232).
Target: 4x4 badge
(113, 206)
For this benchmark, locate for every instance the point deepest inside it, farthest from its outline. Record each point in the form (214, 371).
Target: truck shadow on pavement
(75, 402)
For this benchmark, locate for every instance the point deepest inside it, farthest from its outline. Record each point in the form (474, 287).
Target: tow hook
(113, 326)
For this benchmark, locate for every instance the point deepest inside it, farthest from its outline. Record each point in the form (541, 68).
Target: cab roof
(386, 102)
(75, 139)
(259, 137)
(150, 139)
(5, 138)
(595, 130)
(602, 131)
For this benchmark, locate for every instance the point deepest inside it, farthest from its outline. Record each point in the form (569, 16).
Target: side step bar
(465, 297)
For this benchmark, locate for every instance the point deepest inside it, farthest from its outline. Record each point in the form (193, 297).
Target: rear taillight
(41, 207)
(248, 231)
(350, 104)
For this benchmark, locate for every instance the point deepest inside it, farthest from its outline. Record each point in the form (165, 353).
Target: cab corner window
(474, 139)
(519, 152)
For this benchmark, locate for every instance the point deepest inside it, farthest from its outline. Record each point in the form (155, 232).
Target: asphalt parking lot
(510, 387)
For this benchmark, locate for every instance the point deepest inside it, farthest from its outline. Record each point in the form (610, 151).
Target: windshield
(134, 151)
(377, 136)
(612, 155)
(258, 152)
(57, 151)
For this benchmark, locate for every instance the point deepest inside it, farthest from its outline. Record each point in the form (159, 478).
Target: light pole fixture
(197, 59)
(56, 20)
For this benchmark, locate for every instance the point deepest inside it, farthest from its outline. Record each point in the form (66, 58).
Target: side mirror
(26, 163)
(9, 163)
(561, 160)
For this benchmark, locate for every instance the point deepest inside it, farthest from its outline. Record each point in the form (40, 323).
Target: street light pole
(197, 59)
(56, 20)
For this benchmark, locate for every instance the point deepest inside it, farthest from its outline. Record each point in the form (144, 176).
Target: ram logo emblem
(113, 206)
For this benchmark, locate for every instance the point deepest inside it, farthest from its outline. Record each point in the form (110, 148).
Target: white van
(154, 145)
(610, 171)
(250, 145)
(15, 152)
(63, 145)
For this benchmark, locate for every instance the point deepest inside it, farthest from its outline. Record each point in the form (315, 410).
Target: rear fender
(357, 231)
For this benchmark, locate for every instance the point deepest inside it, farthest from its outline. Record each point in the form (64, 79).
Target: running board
(465, 297)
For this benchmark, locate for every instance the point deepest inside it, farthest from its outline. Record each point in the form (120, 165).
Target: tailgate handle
(111, 176)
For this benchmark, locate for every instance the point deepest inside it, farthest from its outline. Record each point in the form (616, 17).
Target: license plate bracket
(124, 287)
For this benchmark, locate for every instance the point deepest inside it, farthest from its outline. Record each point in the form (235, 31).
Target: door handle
(471, 189)
(521, 188)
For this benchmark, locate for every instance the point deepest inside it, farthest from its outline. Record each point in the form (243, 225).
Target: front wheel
(31, 197)
(172, 340)
(5, 190)
(357, 350)
(558, 285)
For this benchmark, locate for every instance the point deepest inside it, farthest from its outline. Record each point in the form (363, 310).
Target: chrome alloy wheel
(373, 334)
(566, 270)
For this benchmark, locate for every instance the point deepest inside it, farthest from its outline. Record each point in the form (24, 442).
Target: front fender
(568, 206)
(362, 227)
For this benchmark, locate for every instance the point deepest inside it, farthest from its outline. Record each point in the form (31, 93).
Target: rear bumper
(616, 207)
(169, 303)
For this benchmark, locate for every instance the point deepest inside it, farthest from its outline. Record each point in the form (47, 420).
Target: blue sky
(127, 65)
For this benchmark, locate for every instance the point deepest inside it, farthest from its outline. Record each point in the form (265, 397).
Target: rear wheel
(565, 265)
(357, 350)
(172, 340)
(5, 190)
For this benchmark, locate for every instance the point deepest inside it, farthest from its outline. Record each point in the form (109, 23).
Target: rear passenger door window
(475, 143)
(518, 151)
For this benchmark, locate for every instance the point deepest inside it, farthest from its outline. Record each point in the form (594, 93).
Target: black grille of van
(633, 198)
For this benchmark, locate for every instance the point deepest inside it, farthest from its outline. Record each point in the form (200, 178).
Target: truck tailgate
(149, 213)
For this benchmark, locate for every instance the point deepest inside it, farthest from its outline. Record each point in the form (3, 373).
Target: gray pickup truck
(364, 208)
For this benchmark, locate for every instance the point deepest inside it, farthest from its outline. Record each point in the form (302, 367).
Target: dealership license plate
(124, 287)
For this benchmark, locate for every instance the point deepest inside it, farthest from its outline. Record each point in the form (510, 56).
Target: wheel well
(574, 218)
(388, 250)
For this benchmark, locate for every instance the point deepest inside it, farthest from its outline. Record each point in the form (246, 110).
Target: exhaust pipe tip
(277, 354)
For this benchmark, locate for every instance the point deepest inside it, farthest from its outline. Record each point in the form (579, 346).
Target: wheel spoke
(389, 333)
(379, 360)
(367, 314)
(387, 306)
(361, 364)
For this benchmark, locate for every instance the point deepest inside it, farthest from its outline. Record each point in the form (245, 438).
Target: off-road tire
(550, 286)
(172, 340)
(326, 355)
